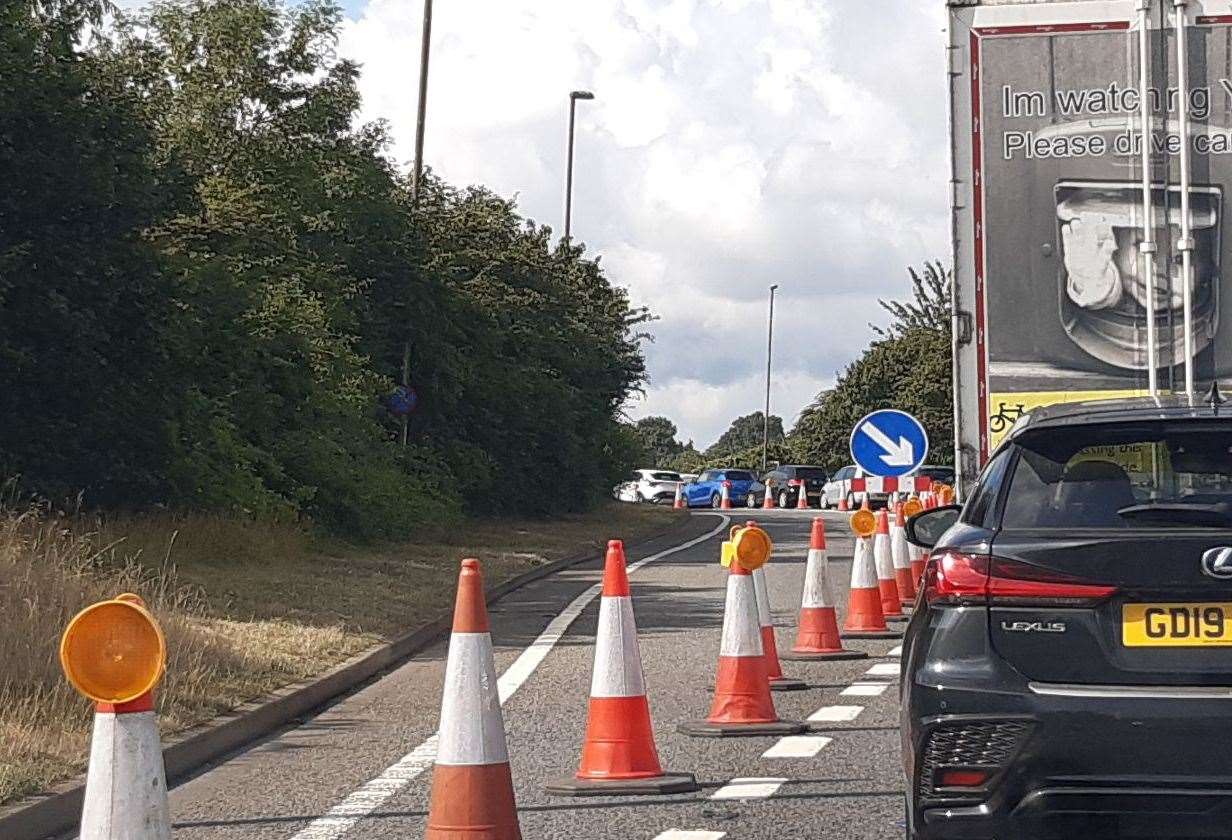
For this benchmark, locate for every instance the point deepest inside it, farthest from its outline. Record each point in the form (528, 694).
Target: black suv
(783, 483)
(1068, 669)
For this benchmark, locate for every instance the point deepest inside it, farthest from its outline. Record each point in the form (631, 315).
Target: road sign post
(889, 443)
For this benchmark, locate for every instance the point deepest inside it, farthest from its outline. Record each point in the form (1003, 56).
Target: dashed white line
(797, 746)
(864, 690)
(835, 714)
(884, 669)
(749, 789)
(681, 834)
(340, 819)
(896, 651)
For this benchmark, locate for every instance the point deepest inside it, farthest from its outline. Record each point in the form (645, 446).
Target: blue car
(707, 489)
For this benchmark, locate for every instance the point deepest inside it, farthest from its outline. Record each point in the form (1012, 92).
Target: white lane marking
(835, 714)
(896, 651)
(340, 819)
(863, 690)
(884, 669)
(797, 746)
(749, 789)
(681, 834)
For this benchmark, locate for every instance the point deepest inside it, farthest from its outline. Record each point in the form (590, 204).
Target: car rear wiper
(1181, 513)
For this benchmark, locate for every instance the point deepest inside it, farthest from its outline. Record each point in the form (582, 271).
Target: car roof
(1123, 410)
(798, 467)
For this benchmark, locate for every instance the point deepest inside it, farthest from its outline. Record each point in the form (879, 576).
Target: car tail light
(955, 578)
(963, 778)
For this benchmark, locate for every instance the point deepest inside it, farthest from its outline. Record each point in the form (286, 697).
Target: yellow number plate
(1177, 625)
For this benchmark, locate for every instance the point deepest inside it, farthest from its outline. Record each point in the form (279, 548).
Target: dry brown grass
(246, 607)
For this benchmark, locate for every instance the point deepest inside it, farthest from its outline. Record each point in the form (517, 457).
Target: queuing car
(839, 487)
(654, 486)
(707, 489)
(937, 472)
(1068, 667)
(784, 483)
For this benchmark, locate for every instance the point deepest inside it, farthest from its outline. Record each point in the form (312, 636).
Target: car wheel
(750, 501)
(824, 501)
(851, 501)
(716, 501)
(784, 501)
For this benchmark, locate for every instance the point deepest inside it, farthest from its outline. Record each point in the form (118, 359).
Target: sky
(732, 144)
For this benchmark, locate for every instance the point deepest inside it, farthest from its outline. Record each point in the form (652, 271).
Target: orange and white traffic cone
(900, 552)
(619, 755)
(725, 497)
(864, 505)
(883, 557)
(865, 619)
(802, 502)
(472, 787)
(817, 638)
(767, 502)
(679, 502)
(769, 644)
(113, 652)
(742, 702)
(843, 507)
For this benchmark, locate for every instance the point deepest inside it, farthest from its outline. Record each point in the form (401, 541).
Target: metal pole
(569, 168)
(574, 96)
(765, 425)
(1147, 246)
(1186, 244)
(425, 48)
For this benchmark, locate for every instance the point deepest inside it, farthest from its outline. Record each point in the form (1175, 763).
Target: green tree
(658, 439)
(746, 432)
(908, 368)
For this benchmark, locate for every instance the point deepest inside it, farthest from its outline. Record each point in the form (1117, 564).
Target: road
(354, 770)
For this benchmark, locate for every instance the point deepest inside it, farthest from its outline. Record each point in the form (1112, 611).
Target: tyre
(784, 500)
(750, 501)
(716, 501)
(824, 501)
(851, 501)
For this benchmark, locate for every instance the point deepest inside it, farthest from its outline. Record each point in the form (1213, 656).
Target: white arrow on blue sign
(889, 443)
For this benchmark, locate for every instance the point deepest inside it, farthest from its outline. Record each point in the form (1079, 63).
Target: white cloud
(732, 144)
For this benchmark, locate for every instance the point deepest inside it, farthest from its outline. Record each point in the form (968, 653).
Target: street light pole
(574, 96)
(765, 428)
(425, 48)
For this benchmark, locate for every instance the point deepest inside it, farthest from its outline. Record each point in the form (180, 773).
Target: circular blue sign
(402, 401)
(889, 443)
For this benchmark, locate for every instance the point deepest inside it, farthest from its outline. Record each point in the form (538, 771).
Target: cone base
(872, 634)
(822, 655)
(706, 729)
(788, 684)
(664, 785)
(898, 617)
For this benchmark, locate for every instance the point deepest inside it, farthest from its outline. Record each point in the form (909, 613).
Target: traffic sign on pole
(889, 443)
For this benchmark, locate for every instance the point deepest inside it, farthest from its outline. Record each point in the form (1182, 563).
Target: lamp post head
(581, 94)
(774, 287)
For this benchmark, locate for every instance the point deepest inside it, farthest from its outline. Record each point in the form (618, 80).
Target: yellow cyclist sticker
(1005, 408)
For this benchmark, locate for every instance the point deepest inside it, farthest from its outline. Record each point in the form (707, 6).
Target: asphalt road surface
(361, 769)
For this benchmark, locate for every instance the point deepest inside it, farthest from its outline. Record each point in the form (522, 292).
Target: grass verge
(246, 607)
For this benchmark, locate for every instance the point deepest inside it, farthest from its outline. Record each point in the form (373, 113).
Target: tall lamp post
(765, 428)
(574, 96)
(421, 115)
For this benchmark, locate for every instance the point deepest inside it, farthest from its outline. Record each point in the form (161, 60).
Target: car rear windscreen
(665, 476)
(811, 473)
(1123, 476)
(738, 475)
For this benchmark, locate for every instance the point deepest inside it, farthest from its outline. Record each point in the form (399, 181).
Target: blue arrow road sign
(889, 443)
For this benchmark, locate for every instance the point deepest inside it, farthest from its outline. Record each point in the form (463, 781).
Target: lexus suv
(1067, 671)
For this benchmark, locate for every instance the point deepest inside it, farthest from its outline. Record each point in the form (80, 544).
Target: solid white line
(885, 669)
(835, 714)
(797, 746)
(749, 789)
(864, 690)
(340, 819)
(896, 651)
(681, 834)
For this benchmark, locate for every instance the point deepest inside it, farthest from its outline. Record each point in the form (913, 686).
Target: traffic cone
(865, 619)
(126, 782)
(864, 505)
(725, 498)
(619, 755)
(802, 502)
(891, 603)
(769, 644)
(842, 504)
(742, 702)
(472, 787)
(767, 503)
(900, 552)
(817, 636)
(679, 502)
